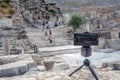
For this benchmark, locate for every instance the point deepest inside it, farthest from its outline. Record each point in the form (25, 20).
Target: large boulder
(18, 65)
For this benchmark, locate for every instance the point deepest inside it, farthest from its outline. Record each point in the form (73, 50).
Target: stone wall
(114, 44)
(115, 33)
(108, 44)
(101, 44)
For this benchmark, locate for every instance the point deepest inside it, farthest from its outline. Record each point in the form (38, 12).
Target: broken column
(6, 46)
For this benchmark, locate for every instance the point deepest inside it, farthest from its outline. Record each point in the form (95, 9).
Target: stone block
(61, 66)
(48, 64)
(104, 65)
(37, 58)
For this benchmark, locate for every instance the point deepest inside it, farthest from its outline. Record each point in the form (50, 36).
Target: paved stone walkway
(57, 48)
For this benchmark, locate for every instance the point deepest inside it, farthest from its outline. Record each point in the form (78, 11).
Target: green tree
(75, 21)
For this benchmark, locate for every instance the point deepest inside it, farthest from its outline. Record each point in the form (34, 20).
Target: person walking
(50, 32)
(46, 35)
(55, 24)
(43, 24)
(35, 49)
(50, 37)
(39, 23)
(47, 25)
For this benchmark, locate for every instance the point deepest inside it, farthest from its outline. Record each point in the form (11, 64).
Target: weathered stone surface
(83, 74)
(23, 64)
(7, 59)
(61, 66)
(63, 75)
(42, 68)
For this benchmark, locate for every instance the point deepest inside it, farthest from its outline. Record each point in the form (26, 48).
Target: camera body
(86, 39)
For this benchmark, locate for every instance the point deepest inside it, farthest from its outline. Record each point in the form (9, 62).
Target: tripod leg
(76, 70)
(93, 72)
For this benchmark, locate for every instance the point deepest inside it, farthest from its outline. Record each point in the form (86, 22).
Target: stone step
(68, 49)
(44, 42)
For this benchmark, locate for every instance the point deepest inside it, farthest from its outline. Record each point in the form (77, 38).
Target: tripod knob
(86, 62)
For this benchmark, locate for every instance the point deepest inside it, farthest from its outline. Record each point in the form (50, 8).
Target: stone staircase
(37, 37)
(62, 43)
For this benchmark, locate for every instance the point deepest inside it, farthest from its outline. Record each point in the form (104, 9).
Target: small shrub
(11, 11)
(3, 5)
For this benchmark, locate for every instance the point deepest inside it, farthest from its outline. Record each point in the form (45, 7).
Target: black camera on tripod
(86, 40)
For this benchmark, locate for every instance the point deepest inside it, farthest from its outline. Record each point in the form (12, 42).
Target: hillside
(97, 2)
(74, 5)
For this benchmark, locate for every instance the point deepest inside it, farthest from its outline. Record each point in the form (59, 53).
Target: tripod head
(86, 51)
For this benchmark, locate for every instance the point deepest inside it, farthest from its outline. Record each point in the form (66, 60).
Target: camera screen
(85, 39)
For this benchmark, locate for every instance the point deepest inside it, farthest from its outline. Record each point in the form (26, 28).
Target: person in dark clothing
(35, 49)
(55, 24)
(47, 25)
(50, 37)
(43, 24)
(46, 34)
(50, 40)
(50, 32)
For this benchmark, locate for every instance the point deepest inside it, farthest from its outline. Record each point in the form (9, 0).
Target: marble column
(6, 46)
